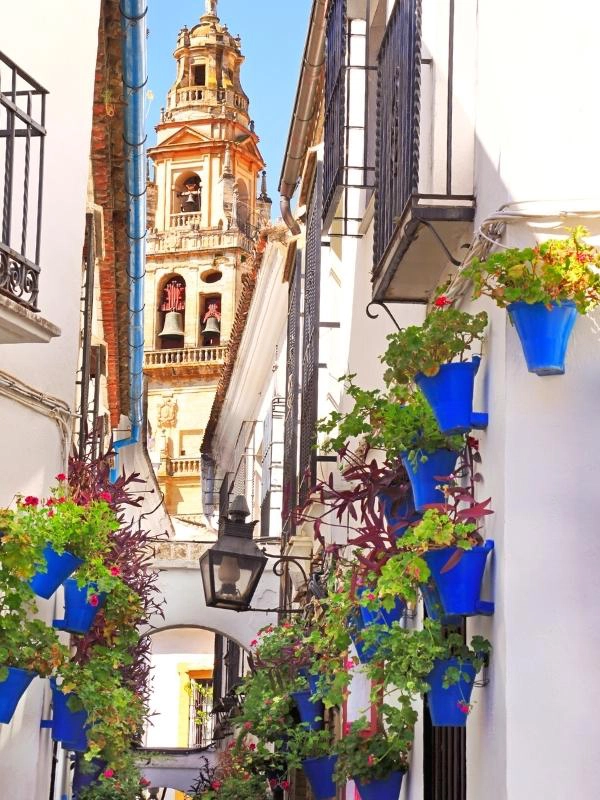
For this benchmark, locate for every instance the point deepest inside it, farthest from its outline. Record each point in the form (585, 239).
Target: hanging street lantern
(232, 567)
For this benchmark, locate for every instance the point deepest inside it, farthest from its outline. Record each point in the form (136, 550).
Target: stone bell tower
(206, 206)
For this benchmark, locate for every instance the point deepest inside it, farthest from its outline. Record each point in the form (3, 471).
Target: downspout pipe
(135, 77)
(305, 110)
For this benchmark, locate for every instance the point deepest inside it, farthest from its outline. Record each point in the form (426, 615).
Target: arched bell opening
(188, 197)
(210, 320)
(171, 314)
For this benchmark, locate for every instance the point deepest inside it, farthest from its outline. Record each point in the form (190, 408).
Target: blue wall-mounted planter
(363, 618)
(319, 772)
(426, 475)
(399, 512)
(544, 334)
(459, 588)
(84, 776)
(11, 691)
(433, 605)
(450, 395)
(444, 703)
(311, 711)
(383, 789)
(79, 612)
(59, 567)
(68, 727)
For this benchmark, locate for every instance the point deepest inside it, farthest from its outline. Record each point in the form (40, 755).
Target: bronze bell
(173, 324)
(212, 327)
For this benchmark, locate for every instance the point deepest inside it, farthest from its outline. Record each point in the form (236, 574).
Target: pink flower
(115, 571)
(61, 477)
(94, 600)
(347, 728)
(442, 301)
(252, 746)
(61, 500)
(247, 726)
(215, 785)
(285, 785)
(30, 500)
(109, 773)
(254, 642)
(464, 707)
(145, 782)
(51, 512)
(272, 782)
(349, 664)
(371, 760)
(106, 496)
(370, 596)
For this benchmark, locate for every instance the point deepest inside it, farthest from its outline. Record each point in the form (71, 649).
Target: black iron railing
(22, 132)
(398, 120)
(307, 457)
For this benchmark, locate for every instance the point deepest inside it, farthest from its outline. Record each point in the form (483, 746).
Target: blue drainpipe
(135, 77)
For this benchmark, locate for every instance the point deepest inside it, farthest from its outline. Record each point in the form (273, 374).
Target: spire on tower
(210, 8)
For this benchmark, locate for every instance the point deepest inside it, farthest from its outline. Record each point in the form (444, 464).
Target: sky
(273, 33)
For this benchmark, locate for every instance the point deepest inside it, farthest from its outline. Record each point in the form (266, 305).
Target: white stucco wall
(57, 45)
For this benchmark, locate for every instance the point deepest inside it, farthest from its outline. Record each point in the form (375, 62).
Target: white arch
(185, 606)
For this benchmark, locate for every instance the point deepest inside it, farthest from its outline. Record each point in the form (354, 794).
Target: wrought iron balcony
(22, 133)
(424, 203)
(185, 357)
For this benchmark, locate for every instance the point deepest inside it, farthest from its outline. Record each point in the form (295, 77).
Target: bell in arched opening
(212, 328)
(173, 324)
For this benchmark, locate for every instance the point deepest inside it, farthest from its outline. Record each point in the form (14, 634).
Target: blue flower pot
(399, 513)
(544, 334)
(68, 727)
(444, 703)
(380, 615)
(311, 677)
(426, 475)
(383, 789)
(58, 568)
(11, 691)
(79, 612)
(450, 395)
(309, 709)
(459, 588)
(363, 618)
(433, 605)
(84, 777)
(319, 772)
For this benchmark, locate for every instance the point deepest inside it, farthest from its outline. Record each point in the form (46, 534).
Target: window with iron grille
(201, 718)
(398, 105)
(310, 342)
(444, 759)
(347, 162)
(22, 133)
(290, 446)
(335, 103)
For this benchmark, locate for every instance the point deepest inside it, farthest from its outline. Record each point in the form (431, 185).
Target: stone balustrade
(185, 356)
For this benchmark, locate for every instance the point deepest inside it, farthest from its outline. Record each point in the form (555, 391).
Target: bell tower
(207, 201)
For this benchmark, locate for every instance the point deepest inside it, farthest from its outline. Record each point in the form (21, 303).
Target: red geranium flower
(61, 477)
(30, 500)
(442, 301)
(464, 707)
(94, 600)
(115, 571)
(215, 785)
(108, 773)
(285, 785)
(106, 496)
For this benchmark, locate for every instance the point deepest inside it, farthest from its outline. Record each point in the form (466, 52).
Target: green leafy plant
(445, 335)
(122, 784)
(369, 755)
(555, 271)
(266, 710)
(304, 743)
(406, 657)
(29, 644)
(242, 772)
(397, 421)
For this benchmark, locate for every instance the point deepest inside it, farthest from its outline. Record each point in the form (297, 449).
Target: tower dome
(209, 59)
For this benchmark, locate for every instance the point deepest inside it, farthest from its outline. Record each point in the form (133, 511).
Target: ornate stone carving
(167, 413)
